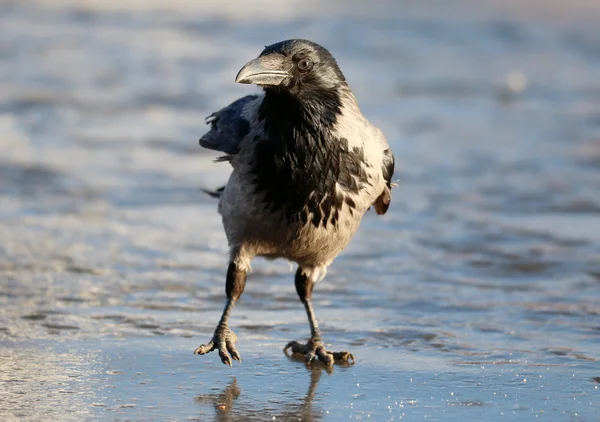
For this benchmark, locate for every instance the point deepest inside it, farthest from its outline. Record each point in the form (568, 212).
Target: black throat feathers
(298, 161)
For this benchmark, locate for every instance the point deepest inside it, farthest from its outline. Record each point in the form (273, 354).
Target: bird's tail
(214, 193)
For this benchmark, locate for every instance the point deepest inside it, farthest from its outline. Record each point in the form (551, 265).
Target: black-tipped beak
(265, 70)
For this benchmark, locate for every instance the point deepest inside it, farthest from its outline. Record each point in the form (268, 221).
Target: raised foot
(315, 349)
(224, 341)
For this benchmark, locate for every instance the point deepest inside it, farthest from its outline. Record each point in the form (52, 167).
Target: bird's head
(297, 66)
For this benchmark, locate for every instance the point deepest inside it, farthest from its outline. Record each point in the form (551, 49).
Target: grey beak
(264, 70)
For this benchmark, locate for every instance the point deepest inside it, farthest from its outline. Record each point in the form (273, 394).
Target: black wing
(382, 203)
(228, 127)
(388, 166)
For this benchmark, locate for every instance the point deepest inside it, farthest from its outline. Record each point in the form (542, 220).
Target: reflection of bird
(306, 167)
(223, 402)
(295, 410)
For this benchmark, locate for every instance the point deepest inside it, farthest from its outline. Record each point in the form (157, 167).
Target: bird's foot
(315, 349)
(224, 341)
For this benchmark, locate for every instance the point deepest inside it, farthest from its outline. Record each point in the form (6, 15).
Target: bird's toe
(325, 356)
(310, 357)
(296, 348)
(205, 348)
(224, 342)
(225, 357)
(346, 357)
(223, 352)
(232, 350)
(315, 350)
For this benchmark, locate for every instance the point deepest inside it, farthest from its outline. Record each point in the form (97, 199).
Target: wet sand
(476, 297)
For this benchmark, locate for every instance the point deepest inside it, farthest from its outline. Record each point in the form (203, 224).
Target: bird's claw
(315, 349)
(223, 341)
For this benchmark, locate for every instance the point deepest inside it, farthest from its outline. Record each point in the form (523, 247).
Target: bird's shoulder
(231, 124)
(380, 150)
(363, 134)
(375, 149)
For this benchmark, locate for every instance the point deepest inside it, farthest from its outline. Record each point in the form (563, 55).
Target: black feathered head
(297, 66)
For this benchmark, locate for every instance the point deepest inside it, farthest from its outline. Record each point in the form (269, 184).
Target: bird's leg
(224, 338)
(315, 348)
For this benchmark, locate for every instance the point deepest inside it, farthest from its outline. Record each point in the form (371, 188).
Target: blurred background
(477, 295)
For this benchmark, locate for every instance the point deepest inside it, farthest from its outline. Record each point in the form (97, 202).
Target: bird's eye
(305, 65)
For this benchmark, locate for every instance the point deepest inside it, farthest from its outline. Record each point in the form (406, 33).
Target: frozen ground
(477, 297)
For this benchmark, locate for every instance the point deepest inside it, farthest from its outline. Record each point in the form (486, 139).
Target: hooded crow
(307, 165)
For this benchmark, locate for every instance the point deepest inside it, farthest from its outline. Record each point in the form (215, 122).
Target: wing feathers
(228, 127)
(382, 203)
